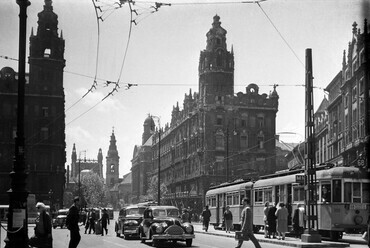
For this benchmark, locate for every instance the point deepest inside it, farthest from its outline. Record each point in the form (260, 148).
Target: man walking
(206, 214)
(72, 224)
(247, 225)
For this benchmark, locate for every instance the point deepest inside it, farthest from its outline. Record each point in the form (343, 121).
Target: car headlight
(188, 228)
(158, 228)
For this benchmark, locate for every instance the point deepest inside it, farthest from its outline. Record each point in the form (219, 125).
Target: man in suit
(72, 223)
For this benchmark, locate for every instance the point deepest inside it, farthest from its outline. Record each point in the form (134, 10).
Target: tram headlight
(358, 219)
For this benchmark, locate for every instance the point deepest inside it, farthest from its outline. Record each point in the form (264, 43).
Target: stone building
(342, 122)
(79, 164)
(218, 135)
(44, 114)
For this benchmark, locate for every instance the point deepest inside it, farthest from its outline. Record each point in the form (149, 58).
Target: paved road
(212, 239)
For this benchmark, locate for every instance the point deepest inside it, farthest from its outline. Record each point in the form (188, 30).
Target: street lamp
(159, 158)
(17, 235)
(50, 199)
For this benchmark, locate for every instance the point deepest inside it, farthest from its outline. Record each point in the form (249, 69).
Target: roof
(127, 179)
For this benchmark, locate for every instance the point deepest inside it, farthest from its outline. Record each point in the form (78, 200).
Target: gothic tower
(45, 102)
(216, 66)
(112, 172)
(74, 170)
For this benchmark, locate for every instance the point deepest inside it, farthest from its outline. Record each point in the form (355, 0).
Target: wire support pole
(311, 234)
(17, 216)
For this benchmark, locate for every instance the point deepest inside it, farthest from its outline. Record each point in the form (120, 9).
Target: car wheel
(189, 242)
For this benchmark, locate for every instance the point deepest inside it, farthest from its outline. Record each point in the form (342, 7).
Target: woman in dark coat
(271, 220)
(104, 221)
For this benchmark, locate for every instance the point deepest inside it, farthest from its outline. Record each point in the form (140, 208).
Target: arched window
(219, 58)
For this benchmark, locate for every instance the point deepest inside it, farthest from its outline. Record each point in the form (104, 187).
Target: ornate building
(112, 171)
(141, 161)
(79, 164)
(44, 114)
(218, 135)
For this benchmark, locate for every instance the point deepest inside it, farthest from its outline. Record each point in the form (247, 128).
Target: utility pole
(310, 235)
(17, 235)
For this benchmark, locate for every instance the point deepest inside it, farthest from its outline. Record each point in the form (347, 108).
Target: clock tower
(216, 66)
(112, 172)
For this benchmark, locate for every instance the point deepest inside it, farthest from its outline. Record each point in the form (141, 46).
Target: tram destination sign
(299, 179)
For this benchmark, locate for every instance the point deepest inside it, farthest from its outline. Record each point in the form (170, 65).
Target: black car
(163, 223)
(129, 220)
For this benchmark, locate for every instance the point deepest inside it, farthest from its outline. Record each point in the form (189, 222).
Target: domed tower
(216, 66)
(112, 172)
(148, 129)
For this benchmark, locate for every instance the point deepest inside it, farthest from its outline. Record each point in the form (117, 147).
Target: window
(347, 192)
(337, 191)
(258, 195)
(298, 194)
(112, 168)
(261, 140)
(326, 191)
(229, 200)
(45, 111)
(219, 120)
(366, 192)
(243, 141)
(44, 133)
(268, 195)
(220, 142)
(261, 122)
(356, 192)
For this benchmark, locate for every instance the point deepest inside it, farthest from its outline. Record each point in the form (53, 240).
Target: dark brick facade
(44, 114)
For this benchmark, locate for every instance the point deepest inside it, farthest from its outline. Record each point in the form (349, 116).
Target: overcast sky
(269, 42)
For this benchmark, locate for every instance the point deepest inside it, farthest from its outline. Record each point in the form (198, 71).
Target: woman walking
(228, 218)
(282, 220)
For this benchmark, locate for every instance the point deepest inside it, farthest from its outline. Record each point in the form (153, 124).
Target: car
(163, 223)
(129, 219)
(60, 219)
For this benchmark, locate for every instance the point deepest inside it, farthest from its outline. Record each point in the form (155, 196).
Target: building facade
(44, 114)
(217, 136)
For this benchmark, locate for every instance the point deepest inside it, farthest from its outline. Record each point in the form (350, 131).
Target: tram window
(235, 199)
(268, 195)
(356, 192)
(326, 192)
(337, 191)
(229, 200)
(347, 192)
(298, 194)
(258, 196)
(365, 193)
(213, 201)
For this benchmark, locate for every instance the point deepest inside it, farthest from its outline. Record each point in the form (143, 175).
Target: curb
(285, 243)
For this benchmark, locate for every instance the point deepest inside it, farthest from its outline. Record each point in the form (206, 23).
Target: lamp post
(50, 199)
(159, 158)
(17, 235)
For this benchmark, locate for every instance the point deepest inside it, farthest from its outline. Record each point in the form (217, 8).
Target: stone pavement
(288, 242)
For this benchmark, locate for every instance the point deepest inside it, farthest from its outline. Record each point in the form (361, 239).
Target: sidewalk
(288, 242)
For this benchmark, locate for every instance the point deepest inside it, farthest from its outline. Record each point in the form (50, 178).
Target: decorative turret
(149, 127)
(100, 162)
(216, 65)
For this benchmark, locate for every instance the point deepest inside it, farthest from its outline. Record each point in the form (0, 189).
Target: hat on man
(40, 205)
(76, 199)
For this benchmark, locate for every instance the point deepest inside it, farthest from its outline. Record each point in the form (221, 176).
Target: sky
(159, 54)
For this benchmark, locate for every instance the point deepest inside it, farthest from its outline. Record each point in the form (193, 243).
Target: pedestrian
(247, 225)
(206, 215)
(265, 213)
(185, 216)
(92, 219)
(228, 219)
(282, 220)
(42, 236)
(104, 221)
(271, 221)
(72, 223)
(87, 222)
(298, 220)
(190, 214)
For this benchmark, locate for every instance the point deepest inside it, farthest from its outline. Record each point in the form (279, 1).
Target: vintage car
(163, 223)
(129, 220)
(60, 219)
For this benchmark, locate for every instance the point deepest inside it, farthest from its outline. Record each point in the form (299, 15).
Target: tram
(343, 198)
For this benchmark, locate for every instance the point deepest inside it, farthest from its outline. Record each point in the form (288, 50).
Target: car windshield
(135, 211)
(165, 212)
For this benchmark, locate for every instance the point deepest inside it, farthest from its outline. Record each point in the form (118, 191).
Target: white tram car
(343, 198)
